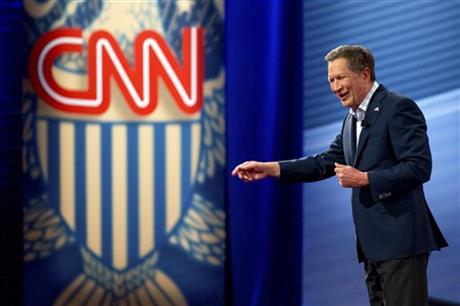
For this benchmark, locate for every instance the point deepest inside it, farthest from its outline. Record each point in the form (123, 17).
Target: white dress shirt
(360, 112)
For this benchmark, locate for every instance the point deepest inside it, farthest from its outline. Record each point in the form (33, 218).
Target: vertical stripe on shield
(42, 133)
(133, 194)
(67, 173)
(159, 180)
(93, 188)
(173, 175)
(186, 144)
(119, 197)
(80, 181)
(146, 189)
(196, 139)
(53, 167)
(106, 182)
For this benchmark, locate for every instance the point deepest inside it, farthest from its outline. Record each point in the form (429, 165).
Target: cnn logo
(153, 59)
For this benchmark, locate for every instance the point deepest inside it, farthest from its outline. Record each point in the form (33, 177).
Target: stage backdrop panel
(417, 48)
(124, 153)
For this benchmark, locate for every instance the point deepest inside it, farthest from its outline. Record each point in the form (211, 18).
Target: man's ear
(366, 73)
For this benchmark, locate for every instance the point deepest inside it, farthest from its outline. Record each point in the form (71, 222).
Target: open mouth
(343, 96)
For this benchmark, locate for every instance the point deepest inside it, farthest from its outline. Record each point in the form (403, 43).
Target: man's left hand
(350, 177)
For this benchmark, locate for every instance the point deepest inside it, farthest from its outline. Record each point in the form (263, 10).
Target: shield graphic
(121, 187)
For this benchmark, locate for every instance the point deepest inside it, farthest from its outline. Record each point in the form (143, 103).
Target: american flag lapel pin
(376, 109)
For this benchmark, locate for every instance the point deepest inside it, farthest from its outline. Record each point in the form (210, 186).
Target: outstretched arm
(254, 170)
(306, 169)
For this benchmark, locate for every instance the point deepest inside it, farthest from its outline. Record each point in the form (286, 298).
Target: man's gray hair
(358, 57)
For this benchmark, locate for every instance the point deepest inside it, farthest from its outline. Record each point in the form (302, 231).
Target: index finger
(236, 170)
(242, 167)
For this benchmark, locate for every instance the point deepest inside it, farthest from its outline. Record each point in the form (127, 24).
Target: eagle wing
(202, 232)
(44, 231)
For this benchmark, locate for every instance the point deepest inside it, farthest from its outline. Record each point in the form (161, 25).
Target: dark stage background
(10, 152)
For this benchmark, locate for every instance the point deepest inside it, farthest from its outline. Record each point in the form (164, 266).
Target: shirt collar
(361, 110)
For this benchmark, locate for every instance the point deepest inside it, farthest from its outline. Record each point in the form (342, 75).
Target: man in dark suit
(382, 153)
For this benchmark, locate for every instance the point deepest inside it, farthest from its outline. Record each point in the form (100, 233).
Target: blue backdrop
(263, 61)
(417, 50)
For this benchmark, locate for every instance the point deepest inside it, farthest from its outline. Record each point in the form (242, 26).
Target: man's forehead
(338, 63)
(338, 66)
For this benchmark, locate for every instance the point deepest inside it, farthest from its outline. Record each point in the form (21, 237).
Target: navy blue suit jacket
(391, 216)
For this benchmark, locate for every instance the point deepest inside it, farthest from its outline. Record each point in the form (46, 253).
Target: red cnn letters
(153, 59)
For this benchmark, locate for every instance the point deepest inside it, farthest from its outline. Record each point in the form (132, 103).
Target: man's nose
(335, 86)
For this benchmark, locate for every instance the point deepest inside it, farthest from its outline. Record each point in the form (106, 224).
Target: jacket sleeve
(407, 129)
(313, 168)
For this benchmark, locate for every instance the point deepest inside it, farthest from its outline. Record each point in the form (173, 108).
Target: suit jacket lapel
(347, 140)
(372, 113)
